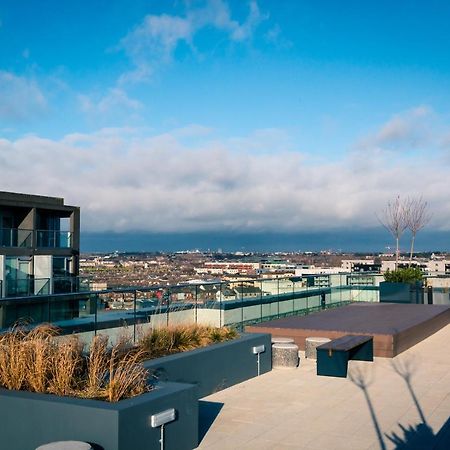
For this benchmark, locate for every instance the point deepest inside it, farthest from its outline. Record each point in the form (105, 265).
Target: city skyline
(234, 118)
(373, 240)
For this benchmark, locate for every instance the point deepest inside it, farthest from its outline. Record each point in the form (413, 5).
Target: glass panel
(13, 237)
(17, 277)
(53, 239)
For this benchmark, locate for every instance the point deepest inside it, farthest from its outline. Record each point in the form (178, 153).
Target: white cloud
(406, 131)
(127, 180)
(155, 40)
(115, 100)
(21, 98)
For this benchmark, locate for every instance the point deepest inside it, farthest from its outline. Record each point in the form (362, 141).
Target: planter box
(28, 420)
(216, 367)
(401, 292)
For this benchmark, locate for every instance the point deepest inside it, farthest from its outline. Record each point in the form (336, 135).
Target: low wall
(215, 367)
(30, 419)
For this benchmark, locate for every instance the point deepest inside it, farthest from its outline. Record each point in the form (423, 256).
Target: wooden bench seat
(333, 356)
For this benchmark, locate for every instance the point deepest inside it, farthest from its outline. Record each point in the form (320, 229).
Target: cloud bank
(190, 180)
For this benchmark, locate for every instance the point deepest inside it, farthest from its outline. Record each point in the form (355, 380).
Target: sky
(247, 117)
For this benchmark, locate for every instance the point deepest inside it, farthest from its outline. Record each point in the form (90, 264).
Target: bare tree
(393, 218)
(417, 216)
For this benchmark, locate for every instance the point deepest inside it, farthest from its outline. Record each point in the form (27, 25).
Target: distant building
(360, 265)
(403, 264)
(313, 270)
(232, 268)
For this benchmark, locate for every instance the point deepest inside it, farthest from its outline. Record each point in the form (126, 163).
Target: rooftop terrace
(399, 403)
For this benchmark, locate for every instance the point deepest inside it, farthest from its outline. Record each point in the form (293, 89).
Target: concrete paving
(400, 403)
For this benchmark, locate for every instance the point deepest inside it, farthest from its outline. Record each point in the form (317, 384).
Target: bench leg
(332, 365)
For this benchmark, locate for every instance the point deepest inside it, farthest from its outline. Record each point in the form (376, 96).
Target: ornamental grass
(36, 361)
(167, 340)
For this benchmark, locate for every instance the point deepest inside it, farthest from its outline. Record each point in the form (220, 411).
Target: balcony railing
(18, 237)
(15, 237)
(45, 286)
(235, 304)
(64, 285)
(24, 287)
(53, 239)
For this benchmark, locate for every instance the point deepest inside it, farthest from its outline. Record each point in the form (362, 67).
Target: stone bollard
(65, 445)
(284, 356)
(311, 344)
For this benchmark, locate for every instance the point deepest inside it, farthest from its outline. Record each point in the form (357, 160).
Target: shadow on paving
(207, 414)
(411, 437)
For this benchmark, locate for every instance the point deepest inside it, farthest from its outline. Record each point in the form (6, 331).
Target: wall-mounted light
(257, 350)
(160, 419)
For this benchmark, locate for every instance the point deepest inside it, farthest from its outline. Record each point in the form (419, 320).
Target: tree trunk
(396, 252)
(412, 249)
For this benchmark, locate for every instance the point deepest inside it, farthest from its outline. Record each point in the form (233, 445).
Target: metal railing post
(278, 297)
(222, 312)
(168, 307)
(95, 314)
(196, 301)
(242, 306)
(134, 317)
(261, 301)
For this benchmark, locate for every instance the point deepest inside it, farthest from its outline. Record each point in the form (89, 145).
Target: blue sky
(168, 116)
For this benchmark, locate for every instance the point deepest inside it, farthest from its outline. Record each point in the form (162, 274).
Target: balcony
(17, 237)
(65, 285)
(26, 287)
(45, 286)
(53, 239)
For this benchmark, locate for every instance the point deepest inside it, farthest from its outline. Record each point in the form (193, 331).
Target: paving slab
(298, 409)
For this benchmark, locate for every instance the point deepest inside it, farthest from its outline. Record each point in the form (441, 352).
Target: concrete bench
(333, 357)
(284, 356)
(311, 343)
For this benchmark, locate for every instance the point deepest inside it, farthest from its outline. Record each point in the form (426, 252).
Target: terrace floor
(400, 403)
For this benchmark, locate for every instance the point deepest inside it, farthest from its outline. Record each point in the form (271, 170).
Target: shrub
(37, 362)
(40, 361)
(406, 275)
(164, 341)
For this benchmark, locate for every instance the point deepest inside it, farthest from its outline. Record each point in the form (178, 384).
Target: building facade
(39, 246)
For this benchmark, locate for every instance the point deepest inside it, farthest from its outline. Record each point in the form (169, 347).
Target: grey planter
(28, 420)
(401, 292)
(218, 366)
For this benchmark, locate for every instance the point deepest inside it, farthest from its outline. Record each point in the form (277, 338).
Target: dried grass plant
(162, 341)
(36, 361)
(40, 351)
(13, 360)
(66, 367)
(127, 377)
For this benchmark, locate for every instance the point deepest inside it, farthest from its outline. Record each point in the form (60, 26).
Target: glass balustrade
(68, 302)
(15, 237)
(53, 239)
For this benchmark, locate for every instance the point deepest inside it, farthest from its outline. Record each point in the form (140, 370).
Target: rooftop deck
(399, 403)
(394, 327)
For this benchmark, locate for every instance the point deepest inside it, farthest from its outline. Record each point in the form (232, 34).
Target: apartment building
(39, 247)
